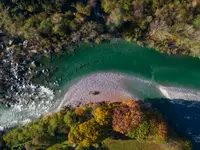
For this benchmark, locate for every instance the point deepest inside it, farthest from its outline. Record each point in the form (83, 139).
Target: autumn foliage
(80, 111)
(127, 117)
(163, 130)
(102, 115)
(85, 134)
(139, 121)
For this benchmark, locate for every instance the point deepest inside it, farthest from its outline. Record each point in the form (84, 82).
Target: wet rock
(33, 51)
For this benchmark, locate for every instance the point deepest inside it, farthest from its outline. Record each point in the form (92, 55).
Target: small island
(102, 126)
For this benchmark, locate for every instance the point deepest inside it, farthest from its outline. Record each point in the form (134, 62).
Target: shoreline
(106, 85)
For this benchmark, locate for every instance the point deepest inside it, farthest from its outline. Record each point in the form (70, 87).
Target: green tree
(141, 132)
(86, 134)
(46, 26)
(197, 21)
(83, 9)
(70, 118)
(102, 115)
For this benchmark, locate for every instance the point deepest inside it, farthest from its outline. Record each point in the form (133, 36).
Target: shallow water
(170, 83)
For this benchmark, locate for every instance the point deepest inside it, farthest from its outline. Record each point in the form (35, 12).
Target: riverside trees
(48, 24)
(168, 25)
(86, 126)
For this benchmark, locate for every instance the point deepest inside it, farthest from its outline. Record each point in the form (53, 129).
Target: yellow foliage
(102, 115)
(86, 133)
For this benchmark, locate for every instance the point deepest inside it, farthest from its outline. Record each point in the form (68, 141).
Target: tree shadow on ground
(182, 115)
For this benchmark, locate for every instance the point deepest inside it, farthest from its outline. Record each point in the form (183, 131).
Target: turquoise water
(181, 71)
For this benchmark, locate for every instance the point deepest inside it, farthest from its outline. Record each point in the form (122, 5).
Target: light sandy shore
(109, 86)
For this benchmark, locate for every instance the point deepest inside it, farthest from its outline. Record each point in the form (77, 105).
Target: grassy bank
(129, 145)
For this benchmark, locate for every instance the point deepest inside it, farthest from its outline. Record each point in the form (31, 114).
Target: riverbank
(97, 87)
(88, 127)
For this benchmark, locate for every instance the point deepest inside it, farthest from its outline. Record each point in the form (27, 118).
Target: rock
(94, 92)
(25, 43)
(33, 51)
(33, 64)
(10, 42)
(1, 47)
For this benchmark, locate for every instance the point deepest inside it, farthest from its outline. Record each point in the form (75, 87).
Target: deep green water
(168, 70)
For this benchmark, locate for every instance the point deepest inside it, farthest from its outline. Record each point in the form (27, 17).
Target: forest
(171, 26)
(87, 127)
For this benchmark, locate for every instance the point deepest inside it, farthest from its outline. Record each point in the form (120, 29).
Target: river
(170, 83)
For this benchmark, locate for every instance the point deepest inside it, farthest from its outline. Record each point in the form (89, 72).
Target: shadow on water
(182, 115)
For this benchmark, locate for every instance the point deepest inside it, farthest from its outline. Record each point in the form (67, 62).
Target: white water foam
(174, 93)
(33, 101)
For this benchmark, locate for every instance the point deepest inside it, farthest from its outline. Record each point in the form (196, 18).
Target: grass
(129, 145)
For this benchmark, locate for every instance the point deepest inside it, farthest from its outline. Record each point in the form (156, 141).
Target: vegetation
(112, 144)
(171, 26)
(49, 24)
(89, 127)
